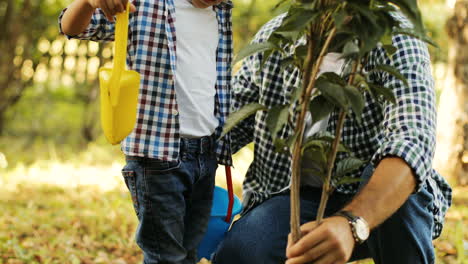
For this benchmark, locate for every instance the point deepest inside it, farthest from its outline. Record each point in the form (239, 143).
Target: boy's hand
(205, 3)
(111, 7)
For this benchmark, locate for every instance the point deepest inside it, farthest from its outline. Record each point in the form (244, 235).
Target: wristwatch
(359, 226)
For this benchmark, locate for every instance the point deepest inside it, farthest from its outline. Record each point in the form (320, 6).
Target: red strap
(231, 194)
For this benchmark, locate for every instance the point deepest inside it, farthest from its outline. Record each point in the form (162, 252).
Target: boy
(182, 50)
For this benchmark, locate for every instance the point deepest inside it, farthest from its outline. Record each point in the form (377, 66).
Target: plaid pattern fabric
(406, 129)
(152, 52)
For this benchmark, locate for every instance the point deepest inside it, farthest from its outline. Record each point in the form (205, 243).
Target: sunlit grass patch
(50, 224)
(62, 210)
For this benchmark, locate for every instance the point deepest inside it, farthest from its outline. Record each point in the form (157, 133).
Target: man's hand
(331, 242)
(111, 7)
(205, 3)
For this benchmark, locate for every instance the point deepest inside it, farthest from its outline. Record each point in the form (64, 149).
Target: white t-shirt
(195, 76)
(331, 63)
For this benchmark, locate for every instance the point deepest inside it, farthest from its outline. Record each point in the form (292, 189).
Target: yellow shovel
(119, 88)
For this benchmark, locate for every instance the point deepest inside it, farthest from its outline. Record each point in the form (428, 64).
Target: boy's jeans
(173, 201)
(260, 236)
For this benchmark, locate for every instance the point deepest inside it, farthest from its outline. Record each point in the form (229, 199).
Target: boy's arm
(91, 19)
(76, 18)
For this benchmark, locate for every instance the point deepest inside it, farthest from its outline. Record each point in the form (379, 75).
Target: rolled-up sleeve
(99, 28)
(410, 124)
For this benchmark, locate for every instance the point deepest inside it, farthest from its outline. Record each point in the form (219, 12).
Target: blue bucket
(217, 226)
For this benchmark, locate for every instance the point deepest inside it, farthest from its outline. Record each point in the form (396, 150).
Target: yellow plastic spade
(119, 88)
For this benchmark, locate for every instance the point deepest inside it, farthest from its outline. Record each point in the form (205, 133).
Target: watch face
(362, 229)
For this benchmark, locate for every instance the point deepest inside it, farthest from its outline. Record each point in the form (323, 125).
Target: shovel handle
(120, 53)
(230, 193)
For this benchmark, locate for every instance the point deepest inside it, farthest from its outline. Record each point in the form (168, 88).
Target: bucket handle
(120, 54)
(230, 193)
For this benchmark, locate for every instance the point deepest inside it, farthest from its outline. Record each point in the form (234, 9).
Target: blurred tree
(34, 56)
(22, 24)
(249, 16)
(453, 108)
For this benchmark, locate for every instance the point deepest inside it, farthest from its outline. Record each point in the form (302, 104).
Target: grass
(79, 212)
(51, 224)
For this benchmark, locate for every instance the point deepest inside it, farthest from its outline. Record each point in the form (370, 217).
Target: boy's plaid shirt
(405, 130)
(152, 53)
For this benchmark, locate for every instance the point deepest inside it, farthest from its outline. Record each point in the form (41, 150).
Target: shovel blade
(118, 115)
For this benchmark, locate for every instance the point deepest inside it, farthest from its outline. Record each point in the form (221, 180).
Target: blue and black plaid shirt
(152, 52)
(405, 129)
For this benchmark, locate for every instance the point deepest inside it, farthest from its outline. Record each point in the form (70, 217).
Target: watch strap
(347, 214)
(352, 221)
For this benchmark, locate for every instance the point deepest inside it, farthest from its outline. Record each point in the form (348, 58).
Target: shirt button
(175, 112)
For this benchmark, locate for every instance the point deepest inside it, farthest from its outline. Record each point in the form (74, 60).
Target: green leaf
(292, 140)
(236, 117)
(296, 95)
(350, 50)
(387, 38)
(361, 81)
(320, 108)
(288, 36)
(317, 171)
(387, 93)
(323, 135)
(315, 155)
(387, 43)
(347, 165)
(254, 48)
(279, 4)
(390, 50)
(335, 78)
(316, 144)
(282, 145)
(286, 62)
(297, 20)
(339, 18)
(265, 57)
(332, 92)
(301, 52)
(392, 71)
(276, 119)
(343, 148)
(356, 100)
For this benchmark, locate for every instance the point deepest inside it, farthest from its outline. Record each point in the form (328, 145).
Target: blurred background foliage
(49, 85)
(50, 134)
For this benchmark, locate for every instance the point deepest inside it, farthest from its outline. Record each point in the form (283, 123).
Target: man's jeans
(173, 201)
(260, 236)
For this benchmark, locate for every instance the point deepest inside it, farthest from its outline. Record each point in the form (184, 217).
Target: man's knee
(236, 250)
(259, 236)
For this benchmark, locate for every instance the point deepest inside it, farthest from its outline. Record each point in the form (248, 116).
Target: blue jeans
(172, 201)
(260, 236)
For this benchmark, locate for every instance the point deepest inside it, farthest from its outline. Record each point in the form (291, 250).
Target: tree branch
(300, 126)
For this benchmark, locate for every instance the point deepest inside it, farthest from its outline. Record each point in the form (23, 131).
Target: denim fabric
(260, 236)
(172, 201)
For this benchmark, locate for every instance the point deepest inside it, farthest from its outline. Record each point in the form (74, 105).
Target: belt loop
(202, 145)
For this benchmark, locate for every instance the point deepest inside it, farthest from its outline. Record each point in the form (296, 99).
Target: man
(182, 50)
(403, 203)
